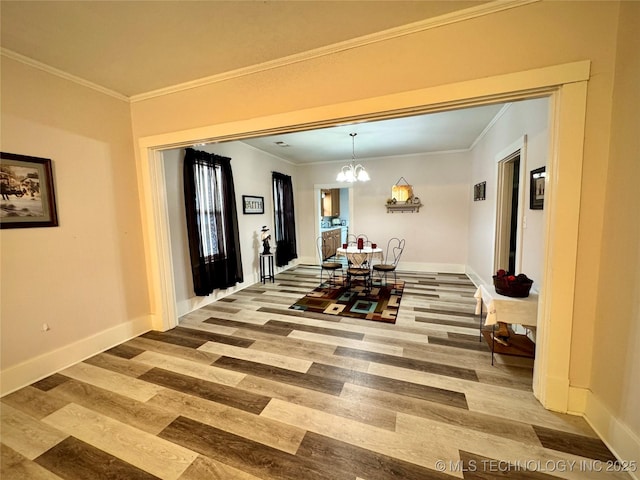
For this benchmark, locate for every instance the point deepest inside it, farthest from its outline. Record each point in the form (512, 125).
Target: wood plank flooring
(247, 389)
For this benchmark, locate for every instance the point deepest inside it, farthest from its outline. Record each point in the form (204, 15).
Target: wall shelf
(403, 207)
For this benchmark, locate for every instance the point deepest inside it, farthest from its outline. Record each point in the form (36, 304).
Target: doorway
(508, 243)
(565, 84)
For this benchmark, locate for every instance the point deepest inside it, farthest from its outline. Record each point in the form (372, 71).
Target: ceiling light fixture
(353, 173)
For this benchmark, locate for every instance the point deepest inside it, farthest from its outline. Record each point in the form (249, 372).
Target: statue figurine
(265, 237)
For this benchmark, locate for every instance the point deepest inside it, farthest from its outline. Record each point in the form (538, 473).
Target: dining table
(360, 256)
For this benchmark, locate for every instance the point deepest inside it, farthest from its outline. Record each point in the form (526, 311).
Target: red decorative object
(360, 244)
(512, 285)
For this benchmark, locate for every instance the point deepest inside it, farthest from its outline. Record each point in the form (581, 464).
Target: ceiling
(137, 47)
(435, 132)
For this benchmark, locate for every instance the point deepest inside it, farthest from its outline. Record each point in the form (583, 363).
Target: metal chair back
(395, 247)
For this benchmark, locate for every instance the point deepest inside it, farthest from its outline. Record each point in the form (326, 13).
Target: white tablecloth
(358, 257)
(500, 308)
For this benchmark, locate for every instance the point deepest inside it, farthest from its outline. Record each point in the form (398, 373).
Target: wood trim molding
(59, 73)
(566, 84)
(34, 369)
(411, 28)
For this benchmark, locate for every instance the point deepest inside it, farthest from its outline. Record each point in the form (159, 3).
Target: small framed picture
(479, 191)
(27, 193)
(252, 205)
(536, 189)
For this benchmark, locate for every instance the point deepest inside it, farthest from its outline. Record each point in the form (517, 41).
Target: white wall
(252, 176)
(451, 233)
(85, 278)
(530, 119)
(436, 236)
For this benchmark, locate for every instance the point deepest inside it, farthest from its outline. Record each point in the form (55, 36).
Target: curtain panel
(285, 222)
(212, 222)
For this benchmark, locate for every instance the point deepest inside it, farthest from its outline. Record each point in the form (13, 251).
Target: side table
(266, 267)
(510, 310)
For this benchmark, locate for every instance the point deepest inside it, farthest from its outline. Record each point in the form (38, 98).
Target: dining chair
(395, 247)
(326, 246)
(359, 271)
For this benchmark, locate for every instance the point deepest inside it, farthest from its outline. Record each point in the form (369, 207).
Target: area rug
(380, 304)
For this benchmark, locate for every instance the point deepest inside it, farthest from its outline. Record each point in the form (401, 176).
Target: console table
(510, 310)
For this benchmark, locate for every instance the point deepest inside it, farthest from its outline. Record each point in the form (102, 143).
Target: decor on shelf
(536, 188)
(265, 236)
(27, 193)
(252, 205)
(352, 172)
(479, 191)
(402, 198)
(512, 285)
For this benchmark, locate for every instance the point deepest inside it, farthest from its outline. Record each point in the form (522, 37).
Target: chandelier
(353, 173)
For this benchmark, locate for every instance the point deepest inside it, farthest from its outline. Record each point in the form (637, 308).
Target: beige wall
(436, 236)
(528, 37)
(615, 377)
(519, 39)
(87, 275)
(527, 118)
(251, 176)
(90, 277)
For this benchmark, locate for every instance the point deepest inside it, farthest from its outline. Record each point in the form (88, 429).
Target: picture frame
(252, 205)
(27, 194)
(536, 188)
(480, 191)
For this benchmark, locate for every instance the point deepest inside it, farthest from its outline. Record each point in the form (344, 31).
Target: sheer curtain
(212, 222)
(285, 223)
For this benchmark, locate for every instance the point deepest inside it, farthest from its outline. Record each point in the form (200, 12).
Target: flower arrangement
(512, 285)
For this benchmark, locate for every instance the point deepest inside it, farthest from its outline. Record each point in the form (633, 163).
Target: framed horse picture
(27, 192)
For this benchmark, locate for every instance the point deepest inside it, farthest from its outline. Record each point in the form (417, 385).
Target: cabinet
(330, 202)
(330, 242)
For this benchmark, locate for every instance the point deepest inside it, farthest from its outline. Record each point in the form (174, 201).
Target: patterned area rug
(380, 304)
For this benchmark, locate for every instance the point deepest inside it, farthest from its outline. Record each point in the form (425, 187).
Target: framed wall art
(479, 191)
(27, 197)
(536, 189)
(252, 205)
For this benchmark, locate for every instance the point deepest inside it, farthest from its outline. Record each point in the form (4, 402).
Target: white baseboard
(431, 267)
(577, 401)
(37, 368)
(622, 442)
(192, 304)
(473, 276)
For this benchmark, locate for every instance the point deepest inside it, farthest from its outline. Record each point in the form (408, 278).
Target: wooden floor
(247, 389)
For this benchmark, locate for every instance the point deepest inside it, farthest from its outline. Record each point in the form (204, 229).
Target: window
(212, 222)
(209, 203)
(284, 219)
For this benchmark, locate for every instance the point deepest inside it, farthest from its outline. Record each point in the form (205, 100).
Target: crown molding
(408, 29)
(59, 73)
(403, 30)
(490, 125)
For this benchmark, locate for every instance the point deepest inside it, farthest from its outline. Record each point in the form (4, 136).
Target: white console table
(500, 308)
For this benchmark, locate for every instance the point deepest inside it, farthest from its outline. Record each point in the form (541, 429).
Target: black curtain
(285, 223)
(212, 222)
